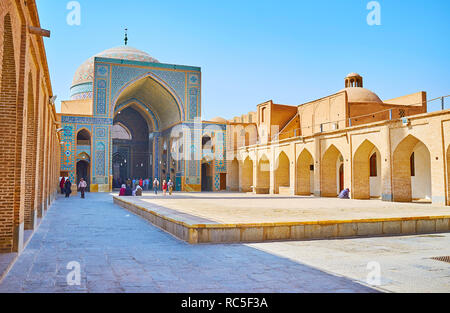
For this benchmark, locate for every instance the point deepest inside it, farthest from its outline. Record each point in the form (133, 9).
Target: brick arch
(282, 172)
(448, 175)
(84, 130)
(263, 178)
(329, 172)
(304, 162)
(234, 175)
(361, 170)
(247, 175)
(30, 156)
(8, 101)
(402, 176)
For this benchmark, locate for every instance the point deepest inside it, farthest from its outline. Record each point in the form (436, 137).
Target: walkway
(120, 252)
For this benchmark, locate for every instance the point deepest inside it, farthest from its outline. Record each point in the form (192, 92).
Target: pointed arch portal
(143, 108)
(332, 173)
(412, 171)
(366, 172)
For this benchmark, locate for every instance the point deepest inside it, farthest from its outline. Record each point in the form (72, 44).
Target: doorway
(83, 172)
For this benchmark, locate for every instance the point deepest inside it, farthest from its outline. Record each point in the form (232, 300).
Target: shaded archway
(132, 146)
(83, 138)
(207, 179)
(247, 175)
(448, 175)
(282, 172)
(411, 171)
(83, 171)
(366, 172)
(30, 163)
(305, 174)
(263, 177)
(155, 96)
(332, 172)
(234, 181)
(8, 113)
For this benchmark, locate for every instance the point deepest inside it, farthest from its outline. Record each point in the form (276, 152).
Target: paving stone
(118, 254)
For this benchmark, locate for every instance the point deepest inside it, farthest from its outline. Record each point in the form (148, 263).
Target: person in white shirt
(82, 186)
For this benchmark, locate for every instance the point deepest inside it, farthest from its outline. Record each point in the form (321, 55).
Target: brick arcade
(131, 116)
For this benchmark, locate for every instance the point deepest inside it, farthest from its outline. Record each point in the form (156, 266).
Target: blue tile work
(194, 106)
(193, 175)
(220, 166)
(68, 150)
(145, 106)
(110, 77)
(157, 141)
(86, 126)
(121, 76)
(84, 149)
(86, 120)
(101, 89)
(218, 133)
(77, 92)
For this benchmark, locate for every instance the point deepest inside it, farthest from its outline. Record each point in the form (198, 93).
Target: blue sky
(252, 51)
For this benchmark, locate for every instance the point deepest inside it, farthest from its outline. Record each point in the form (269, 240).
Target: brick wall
(8, 99)
(28, 154)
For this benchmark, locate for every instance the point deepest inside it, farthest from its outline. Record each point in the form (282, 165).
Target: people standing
(68, 188)
(170, 186)
(122, 190)
(128, 191)
(164, 186)
(82, 185)
(61, 184)
(141, 182)
(138, 191)
(155, 185)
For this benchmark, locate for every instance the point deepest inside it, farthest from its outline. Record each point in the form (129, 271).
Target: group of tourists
(144, 183)
(135, 187)
(66, 187)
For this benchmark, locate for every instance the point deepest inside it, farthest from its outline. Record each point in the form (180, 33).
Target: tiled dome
(84, 76)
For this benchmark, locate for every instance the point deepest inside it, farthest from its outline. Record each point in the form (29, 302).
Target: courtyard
(121, 252)
(236, 208)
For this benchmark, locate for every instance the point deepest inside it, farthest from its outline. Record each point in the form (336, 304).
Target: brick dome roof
(359, 94)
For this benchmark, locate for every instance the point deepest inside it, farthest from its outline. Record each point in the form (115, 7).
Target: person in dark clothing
(67, 188)
(345, 194)
(128, 192)
(61, 185)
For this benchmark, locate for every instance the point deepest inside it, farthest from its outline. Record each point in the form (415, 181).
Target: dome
(358, 94)
(84, 75)
(353, 75)
(218, 120)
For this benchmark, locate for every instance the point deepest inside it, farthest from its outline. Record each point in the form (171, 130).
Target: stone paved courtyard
(120, 252)
(235, 208)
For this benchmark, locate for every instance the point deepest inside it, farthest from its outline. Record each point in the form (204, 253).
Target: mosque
(130, 116)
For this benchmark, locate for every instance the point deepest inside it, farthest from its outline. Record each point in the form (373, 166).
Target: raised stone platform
(237, 217)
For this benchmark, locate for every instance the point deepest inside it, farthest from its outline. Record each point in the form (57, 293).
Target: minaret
(353, 80)
(126, 36)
